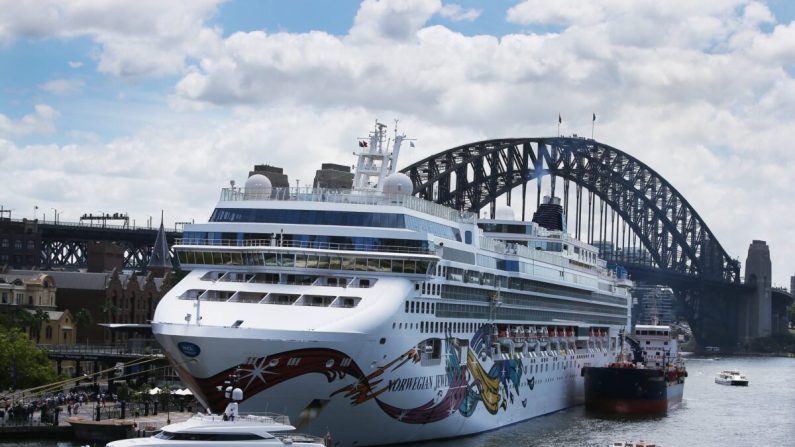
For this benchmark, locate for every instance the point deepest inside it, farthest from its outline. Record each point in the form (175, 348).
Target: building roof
(161, 258)
(79, 280)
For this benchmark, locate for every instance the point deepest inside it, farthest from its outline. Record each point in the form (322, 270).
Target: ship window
(364, 283)
(407, 307)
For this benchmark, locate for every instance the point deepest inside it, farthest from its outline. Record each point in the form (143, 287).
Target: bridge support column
(756, 314)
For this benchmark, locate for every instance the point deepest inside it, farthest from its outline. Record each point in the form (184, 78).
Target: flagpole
(593, 124)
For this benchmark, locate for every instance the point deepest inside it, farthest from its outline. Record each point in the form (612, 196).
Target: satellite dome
(504, 213)
(257, 187)
(398, 183)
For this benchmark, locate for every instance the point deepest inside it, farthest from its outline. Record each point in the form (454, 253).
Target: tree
(791, 313)
(109, 308)
(83, 321)
(22, 364)
(38, 319)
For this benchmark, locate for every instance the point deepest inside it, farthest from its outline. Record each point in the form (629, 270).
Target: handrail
(300, 244)
(308, 194)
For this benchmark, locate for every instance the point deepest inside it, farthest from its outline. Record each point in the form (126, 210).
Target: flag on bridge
(594, 116)
(560, 120)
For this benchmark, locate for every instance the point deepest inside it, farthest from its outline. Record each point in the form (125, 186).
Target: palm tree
(82, 321)
(38, 319)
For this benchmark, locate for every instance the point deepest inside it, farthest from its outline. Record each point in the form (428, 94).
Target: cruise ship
(384, 318)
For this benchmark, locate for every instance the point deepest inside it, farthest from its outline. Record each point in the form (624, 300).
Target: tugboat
(648, 384)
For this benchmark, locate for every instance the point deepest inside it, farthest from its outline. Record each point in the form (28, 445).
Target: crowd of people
(47, 408)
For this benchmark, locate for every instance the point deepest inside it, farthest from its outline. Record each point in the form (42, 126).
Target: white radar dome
(257, 187)
(398, 183)
(504, 213)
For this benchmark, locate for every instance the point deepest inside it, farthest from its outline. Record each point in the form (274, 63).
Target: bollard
(123, 410)
(98, 409)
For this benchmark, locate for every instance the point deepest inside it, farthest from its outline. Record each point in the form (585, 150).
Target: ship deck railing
(315, 245)
(255, 417)
(308, 194)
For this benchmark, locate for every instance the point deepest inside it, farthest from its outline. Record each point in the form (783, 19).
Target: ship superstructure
(354, 309)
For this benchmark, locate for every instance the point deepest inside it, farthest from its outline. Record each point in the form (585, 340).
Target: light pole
(56, 216)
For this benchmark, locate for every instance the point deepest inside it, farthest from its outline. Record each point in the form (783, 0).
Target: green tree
(791, 313)
(108, 308)
(37, 321)
(83, 321)
(22, 364)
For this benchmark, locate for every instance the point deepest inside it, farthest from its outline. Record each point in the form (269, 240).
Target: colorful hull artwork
(467, 383)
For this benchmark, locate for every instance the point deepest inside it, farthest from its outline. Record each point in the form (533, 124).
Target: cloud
(63, 87)
(75, 64)
(135, 38)
(42, 120)
(456, 13)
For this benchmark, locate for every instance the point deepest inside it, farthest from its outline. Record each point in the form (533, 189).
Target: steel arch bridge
(472, 176)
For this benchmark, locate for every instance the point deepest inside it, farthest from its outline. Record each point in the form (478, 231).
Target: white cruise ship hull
(350, 383)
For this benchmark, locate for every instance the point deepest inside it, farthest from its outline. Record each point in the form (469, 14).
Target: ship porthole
(273, 363)
(329, 363)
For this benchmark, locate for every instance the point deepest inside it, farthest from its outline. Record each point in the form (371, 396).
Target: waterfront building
(20, 243)
(26, 289)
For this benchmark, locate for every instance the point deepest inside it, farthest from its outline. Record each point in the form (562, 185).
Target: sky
(142, 106)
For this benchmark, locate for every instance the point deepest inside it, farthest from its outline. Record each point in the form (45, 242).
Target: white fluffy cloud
(136, 38)
(701, 91)
(42, 120)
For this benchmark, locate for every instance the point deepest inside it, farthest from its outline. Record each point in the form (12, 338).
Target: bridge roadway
(65, 244)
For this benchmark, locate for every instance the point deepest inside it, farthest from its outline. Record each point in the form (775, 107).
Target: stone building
(131, 299)
(35, 293)
(20, 243)
(29, 289)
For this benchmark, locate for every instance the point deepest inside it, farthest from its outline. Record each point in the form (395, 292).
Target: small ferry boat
(732, 378)
(650, 383)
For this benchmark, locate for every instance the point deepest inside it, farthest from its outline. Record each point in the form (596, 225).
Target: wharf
(85, 429)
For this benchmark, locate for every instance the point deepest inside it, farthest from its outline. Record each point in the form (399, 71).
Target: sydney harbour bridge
(611, 199)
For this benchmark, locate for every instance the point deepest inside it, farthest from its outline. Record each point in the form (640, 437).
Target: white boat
(731, 377)
(212, 430)
(383, 317)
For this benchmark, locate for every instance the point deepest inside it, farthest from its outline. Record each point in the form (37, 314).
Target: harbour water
(710, 415)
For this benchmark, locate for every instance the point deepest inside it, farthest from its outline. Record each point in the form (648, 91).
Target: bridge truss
(617, 199)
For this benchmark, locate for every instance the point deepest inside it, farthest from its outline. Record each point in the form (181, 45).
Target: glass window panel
(270, 259)
(322, 262)
(334, 264)
(409, 266)
(216, 258)
(372, 265)
(361, 264)
(288, 260)
(311, 261)
(397, 266)
(237, 259)
(227, 258)
(348, 263)
(300, 261)
(386, 265)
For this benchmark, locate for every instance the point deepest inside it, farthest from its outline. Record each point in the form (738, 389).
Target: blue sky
(147, 105)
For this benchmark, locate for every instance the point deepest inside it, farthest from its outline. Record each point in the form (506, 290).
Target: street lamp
(56, 215)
